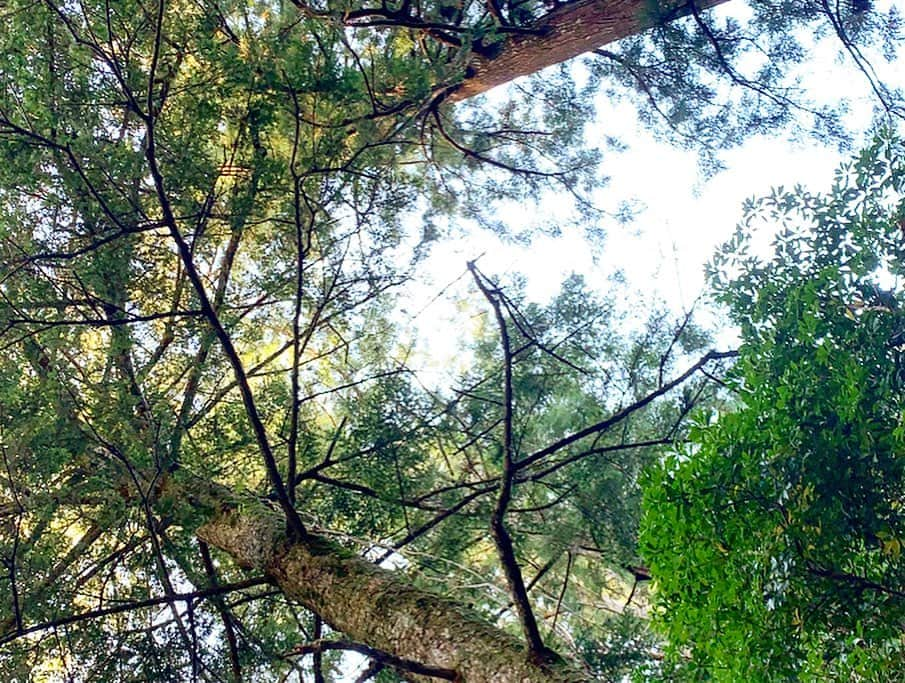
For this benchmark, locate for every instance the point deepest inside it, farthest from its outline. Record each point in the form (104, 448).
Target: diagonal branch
(226, 342)
(132, 606)
(377, 606)
(603, 425)
(570, 30)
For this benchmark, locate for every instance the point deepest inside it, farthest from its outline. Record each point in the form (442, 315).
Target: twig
(501, 536)
(131, 606)
(408, 665)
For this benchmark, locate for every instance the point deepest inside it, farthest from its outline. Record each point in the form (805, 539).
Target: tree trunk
(378, 607)
(570, 30)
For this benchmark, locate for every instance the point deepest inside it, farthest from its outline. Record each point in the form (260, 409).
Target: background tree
(205, 216)
(776, 538)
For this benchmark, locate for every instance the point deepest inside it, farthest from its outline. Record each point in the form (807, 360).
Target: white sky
(663, 250)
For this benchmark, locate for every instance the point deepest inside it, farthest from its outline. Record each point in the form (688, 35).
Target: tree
(205, 216)
(776, 537)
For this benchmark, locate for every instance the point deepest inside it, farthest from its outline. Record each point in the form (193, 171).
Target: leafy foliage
(776, 536)
(206, 222)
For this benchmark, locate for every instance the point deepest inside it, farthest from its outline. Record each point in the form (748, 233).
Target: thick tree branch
(568, 31)
(394, 617)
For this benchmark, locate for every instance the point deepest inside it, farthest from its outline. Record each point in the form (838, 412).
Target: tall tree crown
(208, 419)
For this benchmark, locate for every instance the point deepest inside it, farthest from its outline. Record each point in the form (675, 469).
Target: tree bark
(568, 31)
(376, 606)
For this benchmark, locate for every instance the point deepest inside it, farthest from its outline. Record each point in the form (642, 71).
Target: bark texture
(569, 31)
(378, 607)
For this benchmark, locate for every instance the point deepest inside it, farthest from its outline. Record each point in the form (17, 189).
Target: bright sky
(683, 218)
(662, 251)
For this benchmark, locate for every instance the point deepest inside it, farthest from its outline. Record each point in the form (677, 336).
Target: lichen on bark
(376, 606)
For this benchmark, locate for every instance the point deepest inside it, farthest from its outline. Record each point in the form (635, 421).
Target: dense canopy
(217, 458)
(777, 537)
